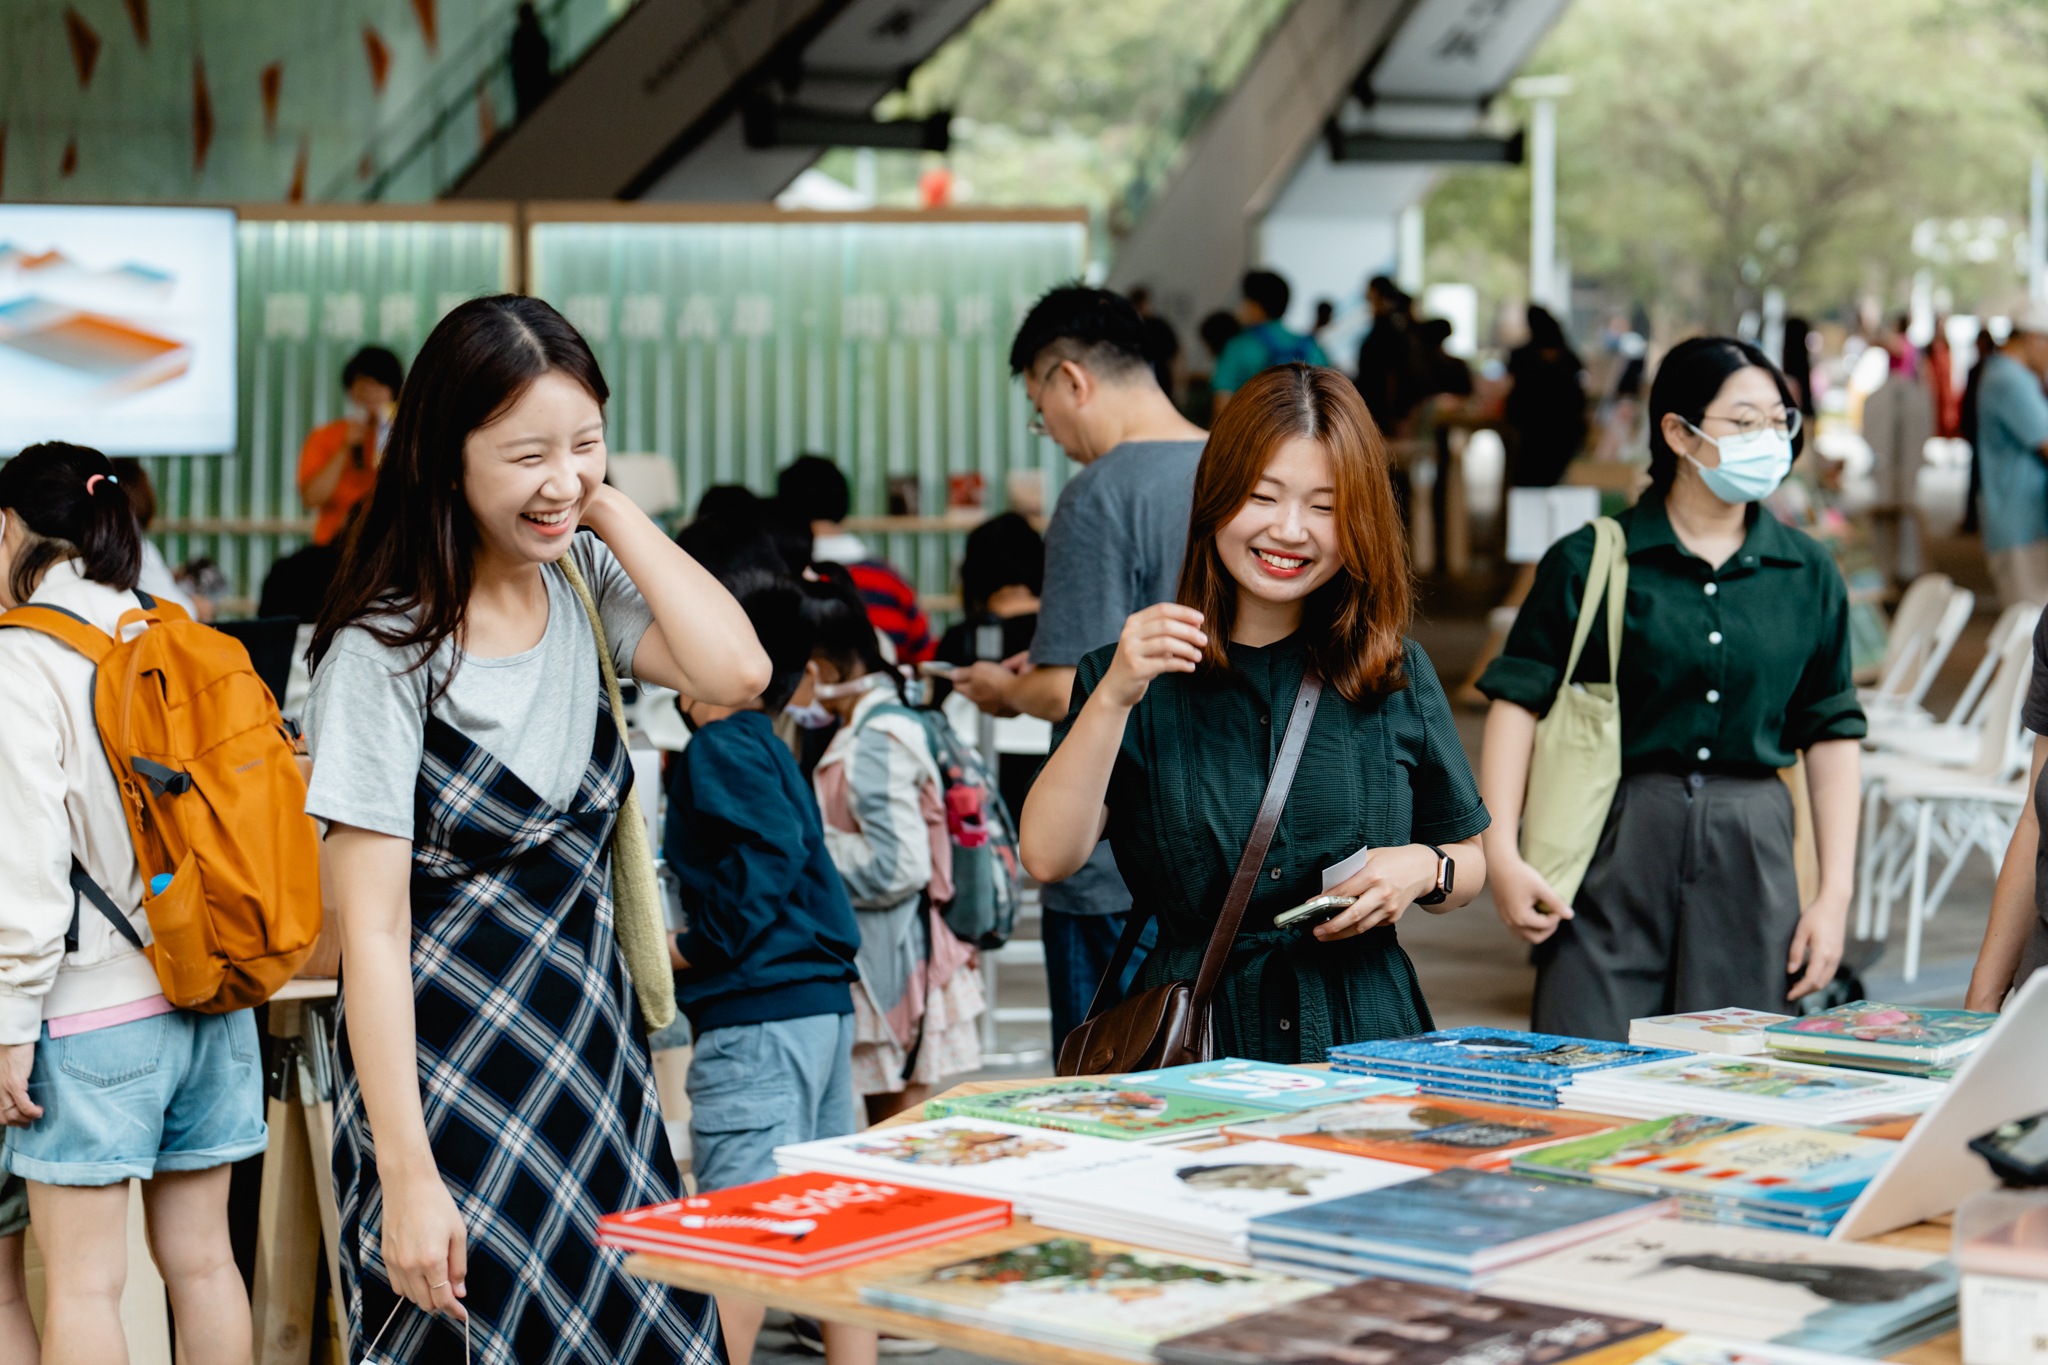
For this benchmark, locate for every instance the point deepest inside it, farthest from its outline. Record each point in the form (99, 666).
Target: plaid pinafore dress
(539, 1099)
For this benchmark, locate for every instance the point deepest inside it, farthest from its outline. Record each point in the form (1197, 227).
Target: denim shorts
(756, 1087)
(175, 1092)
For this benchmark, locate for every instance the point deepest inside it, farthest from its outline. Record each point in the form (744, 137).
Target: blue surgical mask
(1753, 464)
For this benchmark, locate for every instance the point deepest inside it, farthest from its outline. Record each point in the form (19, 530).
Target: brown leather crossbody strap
(1254, 858)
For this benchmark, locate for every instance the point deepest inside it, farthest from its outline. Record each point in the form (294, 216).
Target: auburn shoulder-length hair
(1354, 621)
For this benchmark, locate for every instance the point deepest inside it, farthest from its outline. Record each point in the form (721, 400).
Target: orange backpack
(213, 797)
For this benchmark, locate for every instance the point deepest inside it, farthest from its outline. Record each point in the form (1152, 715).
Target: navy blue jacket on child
(772, 934)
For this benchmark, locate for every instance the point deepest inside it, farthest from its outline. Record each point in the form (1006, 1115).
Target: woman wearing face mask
(1734, 660)
(495, 1097)
(1295, 561)
(885, 830)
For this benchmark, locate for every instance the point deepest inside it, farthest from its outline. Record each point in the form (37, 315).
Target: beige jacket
(57, 798)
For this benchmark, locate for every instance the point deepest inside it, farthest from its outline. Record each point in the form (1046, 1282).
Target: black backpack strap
(148, 602)
(82, 884)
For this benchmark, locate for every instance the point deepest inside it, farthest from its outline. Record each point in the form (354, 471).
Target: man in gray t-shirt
(1113, 548)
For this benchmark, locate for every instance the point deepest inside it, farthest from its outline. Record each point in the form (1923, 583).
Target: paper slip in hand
(1343, 872)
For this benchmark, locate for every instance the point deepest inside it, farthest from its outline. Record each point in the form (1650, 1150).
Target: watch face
(1447, 873)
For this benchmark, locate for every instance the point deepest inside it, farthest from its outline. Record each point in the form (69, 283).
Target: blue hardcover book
(1458, 1219)
(1476, 1051)
(1266, 1085)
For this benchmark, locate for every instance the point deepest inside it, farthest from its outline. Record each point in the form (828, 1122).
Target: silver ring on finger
(432, 1287)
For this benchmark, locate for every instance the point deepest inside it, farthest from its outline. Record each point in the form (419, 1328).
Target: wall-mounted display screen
(117, 328)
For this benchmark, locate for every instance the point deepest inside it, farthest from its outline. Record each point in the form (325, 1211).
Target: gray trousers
(1690, 904)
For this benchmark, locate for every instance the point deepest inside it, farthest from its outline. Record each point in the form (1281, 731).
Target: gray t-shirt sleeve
(366, 721)
(1088, 575)
(624, 611)
(2035, 714)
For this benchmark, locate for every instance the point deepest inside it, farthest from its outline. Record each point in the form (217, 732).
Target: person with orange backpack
(103, 1076)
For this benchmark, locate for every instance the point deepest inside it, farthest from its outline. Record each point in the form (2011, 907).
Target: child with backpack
(102, 1077)
(763, 969)
(883, 795)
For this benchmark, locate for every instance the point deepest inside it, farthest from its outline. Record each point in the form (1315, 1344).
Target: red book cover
(802, 1224)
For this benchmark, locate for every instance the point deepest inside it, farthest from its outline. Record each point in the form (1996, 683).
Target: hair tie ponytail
(53, 489)
(96, 479)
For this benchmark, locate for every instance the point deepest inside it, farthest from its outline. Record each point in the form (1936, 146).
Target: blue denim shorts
(756, 1087)
(176, 1092)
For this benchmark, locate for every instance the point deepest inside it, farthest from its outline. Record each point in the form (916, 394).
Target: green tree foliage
(1710, 152)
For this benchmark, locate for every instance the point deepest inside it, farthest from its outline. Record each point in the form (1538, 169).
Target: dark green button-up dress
(1186, 788)
(1731, 670)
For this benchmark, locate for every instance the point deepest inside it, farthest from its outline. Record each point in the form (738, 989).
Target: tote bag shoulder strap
(1606, 576)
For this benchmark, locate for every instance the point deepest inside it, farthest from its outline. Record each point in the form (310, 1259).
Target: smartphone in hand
(1310, 913)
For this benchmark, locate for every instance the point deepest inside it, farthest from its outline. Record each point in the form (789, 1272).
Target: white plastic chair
(1952, 810)
(1923, 631)
(1952, 742)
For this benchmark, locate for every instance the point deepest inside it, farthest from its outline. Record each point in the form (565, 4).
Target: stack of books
(1499, 1066)
(1725, 1170)
(1751, 1284)
(1399, 1322)
(1200, 1203)
(1071, 1292)
(802, 1225)
(1457, 1227)
(1735, 1031)
(1266, 1085)
(1759, 1089)
(967, 1156)
(1435, 1133)
(1891, 1038)
(1122, 1110)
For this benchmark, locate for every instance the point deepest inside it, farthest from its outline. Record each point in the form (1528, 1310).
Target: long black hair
(842, 635)
(1690, 378)
(68, 500)
(408, 567)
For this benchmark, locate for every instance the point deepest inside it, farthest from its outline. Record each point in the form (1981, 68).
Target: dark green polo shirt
(1728, 670)
(1182, 797)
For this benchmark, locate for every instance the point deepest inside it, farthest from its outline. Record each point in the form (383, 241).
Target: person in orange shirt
(338, 464)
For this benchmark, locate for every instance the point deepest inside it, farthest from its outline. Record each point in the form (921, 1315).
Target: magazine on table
(1201, 1202)
(976, 1156)
(1751, 1283)
(1070, 1291)
(1400, 1322)
(1119, 1110)
(1432, 1132)
(1733, 1030)
(1263, 1084)
(1546, 1058)
(1725, 1158)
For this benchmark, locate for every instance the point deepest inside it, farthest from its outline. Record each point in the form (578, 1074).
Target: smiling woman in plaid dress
(495, 1098)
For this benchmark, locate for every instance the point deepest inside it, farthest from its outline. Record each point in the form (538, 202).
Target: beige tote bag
(1576, 765)
(637, 918)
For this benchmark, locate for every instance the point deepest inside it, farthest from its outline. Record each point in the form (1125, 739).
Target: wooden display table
(835, 1297)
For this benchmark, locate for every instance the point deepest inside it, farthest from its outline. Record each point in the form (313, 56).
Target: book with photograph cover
(1696, 1348)
(1266, 1085)
(1201, 1201)
(1426, 1132)
(1001, 1160)
(802, 1224)
(1070, 1291)
(1509, 1054)
(1733, 1030)
(1380, 1321)
(1752, 1087)
(1895, 1033)
(1115, 1109)
(1788, 1169)
(1753, 1283)
(1459, 1219)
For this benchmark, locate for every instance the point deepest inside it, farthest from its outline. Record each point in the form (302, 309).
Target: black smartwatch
(1446, 876)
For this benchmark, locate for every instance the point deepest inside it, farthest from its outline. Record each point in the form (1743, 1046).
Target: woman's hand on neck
(1703, 523)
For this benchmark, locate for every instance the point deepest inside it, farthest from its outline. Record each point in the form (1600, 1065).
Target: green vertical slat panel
(309, 294)
(732, 347)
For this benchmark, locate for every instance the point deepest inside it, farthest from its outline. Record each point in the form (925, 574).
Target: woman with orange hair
(1295, 562)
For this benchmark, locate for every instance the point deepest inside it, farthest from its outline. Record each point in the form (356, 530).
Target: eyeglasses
(1752, 423)
(1036, 426)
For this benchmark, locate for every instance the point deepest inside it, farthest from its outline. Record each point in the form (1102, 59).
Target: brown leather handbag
(1170, 1025)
